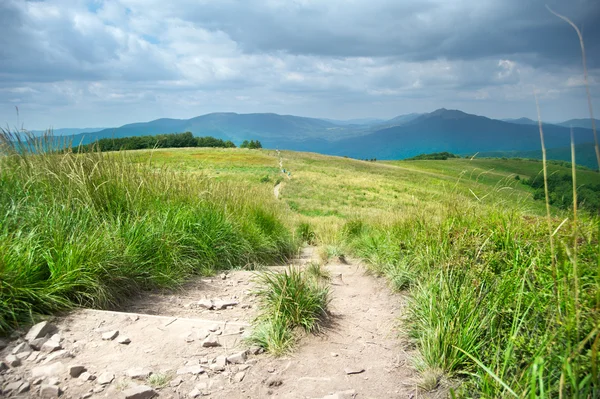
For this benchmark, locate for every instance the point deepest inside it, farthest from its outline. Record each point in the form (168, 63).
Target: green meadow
(502, 301)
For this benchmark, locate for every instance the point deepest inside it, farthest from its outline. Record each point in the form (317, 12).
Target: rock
(37, 381)
(85, 376)
(98, 389)
(195, 370)
(48, 371)
(56, 338)
(219, 363)
(138, 373)
(52, 381)
(205, 304)
(349, 394)
(24, 388)
(39, 330)
(210, 342)
(3, 343)
(50, 346)
(21, 348)
(239, 376)
(11, 387)
(237, 358)
(274, 381)
(23, 355)
(76, 370)
(214, 327)
(13, 361)
(58, 355)
(333, 354)
(353, 370)
(105, 378)
(124, 340)
(33, 356)
(140, 392)
(194, 393)
(220, 305)
(204, 360)
(49, 391)
(134, 317)
(255, 350)
(110, 335)
(37, 343)
(3, 366)
(243, 367)
(175, 382)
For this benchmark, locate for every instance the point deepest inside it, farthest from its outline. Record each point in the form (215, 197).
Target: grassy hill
(488, 293)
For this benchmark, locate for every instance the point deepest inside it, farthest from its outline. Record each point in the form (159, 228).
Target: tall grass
(91, 229)
(483, 293)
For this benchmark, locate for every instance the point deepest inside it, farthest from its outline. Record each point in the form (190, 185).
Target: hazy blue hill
(457, 132)
(520, 121)
(359, 121)
(402, 119)
(68, 131)
(583, 123)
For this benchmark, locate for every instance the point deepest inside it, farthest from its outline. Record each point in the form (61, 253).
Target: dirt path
(276, 190)
(171, 335)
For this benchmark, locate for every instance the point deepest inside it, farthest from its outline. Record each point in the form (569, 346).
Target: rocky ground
(190, 344)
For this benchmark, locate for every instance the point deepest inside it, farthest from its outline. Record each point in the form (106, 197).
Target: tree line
(172, 140)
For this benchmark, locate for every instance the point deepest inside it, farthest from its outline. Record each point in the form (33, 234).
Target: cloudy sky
(89, 63)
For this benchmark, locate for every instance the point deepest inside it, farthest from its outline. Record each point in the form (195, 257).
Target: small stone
(13, 361)
(203, 360)
(237, 358)
(194, 393)
(98, 389)
(255, 350)
(56, 338)
(86, 376)
(210, 342)
(214, 327)
(140, 392)
(333, 354)
(189, 338)
(49, 391)
(124, 340)
(87, 395)
(52, 381)
(353, 370)
(24, 388)
(23, 355)
(243, 367)
(21, 348)
(37, 381)
(12, 387)
(3, 366)
(33, 356)
(110, 335)
(105, 378)
(37, 343)
(39, 330)
(223, 276)
(138, 373)
(76, 370)
(192, 362)
(175, 382)
(274, 381)
(3, 343)
(62, 354)
(239, 377)
(205, 304)
(50, 346)
(195, 370)
(220, 305)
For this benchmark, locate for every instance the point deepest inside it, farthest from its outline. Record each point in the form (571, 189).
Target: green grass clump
(487, 302)
(91, 229)
(288, 300)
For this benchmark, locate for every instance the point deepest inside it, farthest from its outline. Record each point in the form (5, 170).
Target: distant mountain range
(401, 137)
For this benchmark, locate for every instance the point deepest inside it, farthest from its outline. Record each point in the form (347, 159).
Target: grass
(159, 380)
(91, 229)
(289, 300)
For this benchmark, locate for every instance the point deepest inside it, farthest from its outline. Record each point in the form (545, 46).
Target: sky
(105, 63)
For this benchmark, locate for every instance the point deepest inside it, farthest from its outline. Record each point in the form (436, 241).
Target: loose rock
(237, 358)
(220, 305)
(210, 342)
(140, 392)
(105, 378)
(11, 387)
(194, 393)
(37, 343)
(274, 381)
(349, 394)
(39, 330)
(175, 382)
(62, 354)
(195, 370)
(138, 373)
(48, 371)
(21, 348)
(353, 370)
(13, 361)
(205, 304)
(124, 340)
(24, 388)
(3, 366)
(49, 391)
(86, 376)
(76, 370)
(50, 346)
(239, 377)
(110, 335)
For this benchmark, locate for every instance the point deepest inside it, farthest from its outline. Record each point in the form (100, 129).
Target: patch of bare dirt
(190, 344)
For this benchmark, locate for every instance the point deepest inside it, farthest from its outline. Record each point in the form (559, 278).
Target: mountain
(270, 129)
(520, 121)
(454, 131)
(359, 121)
(583, 123)
(68, 131)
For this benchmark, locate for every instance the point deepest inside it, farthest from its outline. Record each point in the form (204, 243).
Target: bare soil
(358, 353)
